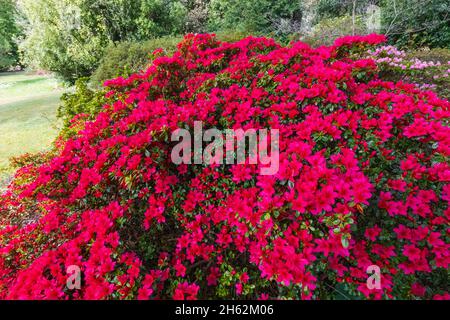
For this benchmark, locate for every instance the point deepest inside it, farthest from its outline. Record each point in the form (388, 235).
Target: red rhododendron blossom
(363, 181)
(185, 291)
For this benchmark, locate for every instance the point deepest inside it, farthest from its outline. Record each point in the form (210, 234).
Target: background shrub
(125, 58)
(83, 101)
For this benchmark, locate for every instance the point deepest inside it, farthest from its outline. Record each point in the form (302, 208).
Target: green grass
(28, 105)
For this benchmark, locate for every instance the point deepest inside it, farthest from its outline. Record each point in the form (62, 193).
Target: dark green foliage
(9, 31)
(417, 22)
(332, 8)
(256, 16)
(117, 17)
(160, 18)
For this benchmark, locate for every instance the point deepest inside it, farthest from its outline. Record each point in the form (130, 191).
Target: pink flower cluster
(397, 58)
(427, 75)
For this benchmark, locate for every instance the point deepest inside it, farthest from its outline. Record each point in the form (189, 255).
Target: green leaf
(345, 242)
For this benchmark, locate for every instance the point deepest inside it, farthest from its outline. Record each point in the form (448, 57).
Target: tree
(9, 31)
(69, 37)
(118, 17)
(61, 38)
(126, 20)
(160, 18)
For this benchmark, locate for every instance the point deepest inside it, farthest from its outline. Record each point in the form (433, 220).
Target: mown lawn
(28, 105)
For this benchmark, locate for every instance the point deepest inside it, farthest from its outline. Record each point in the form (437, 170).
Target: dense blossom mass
(363, 180)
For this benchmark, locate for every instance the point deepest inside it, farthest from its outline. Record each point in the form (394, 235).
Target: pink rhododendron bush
(363, 183)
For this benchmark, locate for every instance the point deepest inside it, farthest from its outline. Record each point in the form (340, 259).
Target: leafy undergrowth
(363, 180)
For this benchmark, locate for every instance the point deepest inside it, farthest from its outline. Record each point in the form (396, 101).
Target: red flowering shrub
(363, 180)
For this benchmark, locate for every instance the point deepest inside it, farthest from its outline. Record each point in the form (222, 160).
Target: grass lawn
(28, 105)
